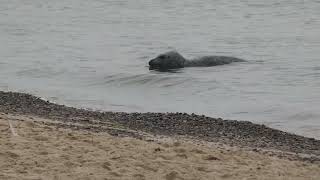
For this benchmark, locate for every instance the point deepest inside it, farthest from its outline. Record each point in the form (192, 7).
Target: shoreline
(41, 140)
(231, 132)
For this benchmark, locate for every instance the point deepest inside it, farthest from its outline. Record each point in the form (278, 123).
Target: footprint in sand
(211, 158)
(171, 176)
(139, 177)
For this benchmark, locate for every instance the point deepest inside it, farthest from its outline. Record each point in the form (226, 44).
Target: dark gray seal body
(173, 60)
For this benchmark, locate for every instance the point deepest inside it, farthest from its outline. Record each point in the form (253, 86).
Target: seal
(174, 60)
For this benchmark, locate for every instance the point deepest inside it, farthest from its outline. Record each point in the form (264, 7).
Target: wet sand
(42, 140)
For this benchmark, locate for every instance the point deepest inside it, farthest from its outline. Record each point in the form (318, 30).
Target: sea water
(93, 54)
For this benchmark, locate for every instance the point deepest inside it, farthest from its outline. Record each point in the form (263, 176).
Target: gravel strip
(230, 132)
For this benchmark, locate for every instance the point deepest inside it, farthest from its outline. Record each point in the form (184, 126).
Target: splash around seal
(174, 60)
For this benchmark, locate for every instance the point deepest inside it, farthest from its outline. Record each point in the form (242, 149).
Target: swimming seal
(173, 60)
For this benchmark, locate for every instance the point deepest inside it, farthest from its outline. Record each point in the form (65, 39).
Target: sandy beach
(37, 151)
(42, 140)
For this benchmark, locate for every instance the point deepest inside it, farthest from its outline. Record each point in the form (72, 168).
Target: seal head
(168, 60)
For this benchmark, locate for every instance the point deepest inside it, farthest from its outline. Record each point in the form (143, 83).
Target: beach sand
(31, 149)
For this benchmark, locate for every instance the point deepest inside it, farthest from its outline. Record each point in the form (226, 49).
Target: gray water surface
(93, 54)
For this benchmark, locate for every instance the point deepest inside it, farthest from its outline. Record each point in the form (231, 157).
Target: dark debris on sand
(240, 133)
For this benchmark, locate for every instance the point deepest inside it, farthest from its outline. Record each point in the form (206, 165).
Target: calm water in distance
(93, 54)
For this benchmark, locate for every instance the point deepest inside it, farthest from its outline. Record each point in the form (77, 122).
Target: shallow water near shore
(94, 54)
